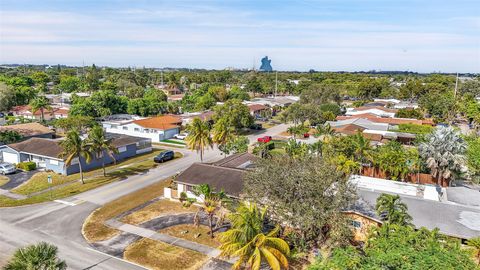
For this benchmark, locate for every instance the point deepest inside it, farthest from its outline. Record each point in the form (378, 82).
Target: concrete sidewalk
(175, 241)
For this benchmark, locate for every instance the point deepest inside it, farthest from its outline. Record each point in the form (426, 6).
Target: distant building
(266, 65)
(30, 130)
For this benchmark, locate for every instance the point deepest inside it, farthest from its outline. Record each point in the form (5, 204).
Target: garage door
(10, 157)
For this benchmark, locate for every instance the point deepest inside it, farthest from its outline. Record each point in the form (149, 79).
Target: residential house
(187, 118)
(26, 111)
(388, 120)
(258, 110)
(225, 174)
(46, 153)
(376, 110)
(156, 128)
(29, 130)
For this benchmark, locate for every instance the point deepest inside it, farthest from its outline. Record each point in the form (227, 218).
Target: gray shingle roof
(451, 219)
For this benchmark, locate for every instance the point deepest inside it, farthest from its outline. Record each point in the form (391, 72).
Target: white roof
(362, 122)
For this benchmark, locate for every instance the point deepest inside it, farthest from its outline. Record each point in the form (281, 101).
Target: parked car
(180, 136)
(264, 139)
(256, 126)
(7, 168)
(306, 135)
(164, 156)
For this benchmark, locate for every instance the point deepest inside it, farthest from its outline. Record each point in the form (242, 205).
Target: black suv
(164, 156)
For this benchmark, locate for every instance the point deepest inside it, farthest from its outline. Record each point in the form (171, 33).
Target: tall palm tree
(39, 256)
(211, 203)
(74, 147)
(346, 165)
(475, 244)
(443, 152)
(223, 134)
(199, 136)
(392, 210)
(247, 241)
(40, 103)
(100, 146)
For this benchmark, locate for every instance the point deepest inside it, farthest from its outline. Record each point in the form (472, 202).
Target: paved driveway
(17, 179)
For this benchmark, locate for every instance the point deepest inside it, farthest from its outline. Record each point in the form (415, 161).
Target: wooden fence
(420, 178)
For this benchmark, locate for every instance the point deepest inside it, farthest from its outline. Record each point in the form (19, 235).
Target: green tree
(363, 151)
(10, 136)
(409, 113)
(36, 257)
(400, 247)
(40, 103)
(247, 241)
(473, 156)
(296, 149)
(75, 148)
(234, 113)
(69, 84)
(199, 137)
(100, 146)
(223, 134)
(393, 159)
(238, 145)
(391, 209)
(7, 96)
(312, 206)
(237, 93)
(76, 122)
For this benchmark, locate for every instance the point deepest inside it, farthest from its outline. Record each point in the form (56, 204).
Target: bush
(27, 166)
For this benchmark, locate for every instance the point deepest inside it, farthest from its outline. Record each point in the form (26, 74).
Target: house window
(125, 128)
(356, 224)
(136, 129)
(122, 149)
(74, 161)
(189, 188)
(114, 126)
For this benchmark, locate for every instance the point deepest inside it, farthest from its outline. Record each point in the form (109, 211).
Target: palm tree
(346, 165)
(392, 210)
(74, 147)
(363, 149)
(40, 103)
(199, 136)
(326, 131)
(100, 146)
(39, 256)
(475, 244)
(223, 134)
(443, 152)
(211, 203)
(295, 149)
(247, 241)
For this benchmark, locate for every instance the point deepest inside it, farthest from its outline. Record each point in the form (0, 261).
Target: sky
(324, 35)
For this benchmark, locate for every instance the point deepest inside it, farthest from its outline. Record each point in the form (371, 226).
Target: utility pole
(161, 78)
(456, 87)
(276, 83)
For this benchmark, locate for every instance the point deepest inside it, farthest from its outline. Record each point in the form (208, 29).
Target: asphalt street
(60, 222)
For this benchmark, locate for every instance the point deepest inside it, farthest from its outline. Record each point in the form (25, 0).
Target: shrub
(27, 166)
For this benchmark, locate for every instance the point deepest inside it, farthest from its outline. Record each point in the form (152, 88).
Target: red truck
(264, 139)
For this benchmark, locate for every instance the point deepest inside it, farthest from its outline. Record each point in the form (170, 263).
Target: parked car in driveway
(164, 156)
(181, 136)
(7, 168)
(264, 139)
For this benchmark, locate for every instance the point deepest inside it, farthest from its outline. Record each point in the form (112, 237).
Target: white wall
(129, 129)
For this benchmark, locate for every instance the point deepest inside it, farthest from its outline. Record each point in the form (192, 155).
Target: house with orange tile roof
(156, 128)
(27, 112)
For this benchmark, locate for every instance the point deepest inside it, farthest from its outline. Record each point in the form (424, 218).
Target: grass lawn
(3, 180)
(156, 209)
(175, 142)
(94, 230)
(192, 231)
(160, 256)
(39, 182)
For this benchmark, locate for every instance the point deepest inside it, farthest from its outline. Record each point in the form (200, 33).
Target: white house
(376, 110)
(157, 128)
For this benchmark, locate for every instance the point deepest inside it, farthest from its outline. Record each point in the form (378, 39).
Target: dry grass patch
(161, 207)
(160, 256)
(94, 230)
(192, 233)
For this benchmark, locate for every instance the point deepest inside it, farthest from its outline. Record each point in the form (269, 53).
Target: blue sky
(351, 35)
